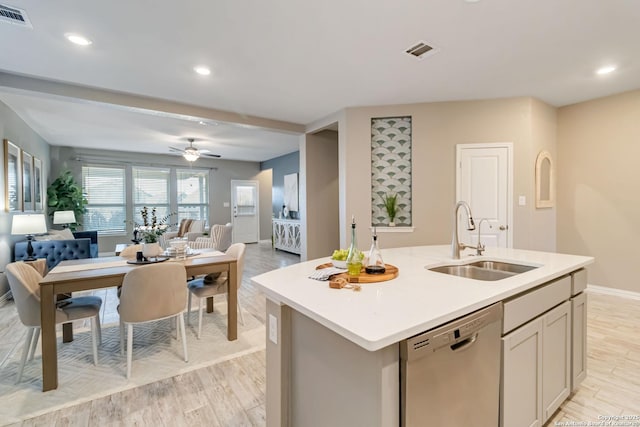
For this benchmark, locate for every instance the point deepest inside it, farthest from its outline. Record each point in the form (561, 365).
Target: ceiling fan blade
(180, 150)
(217, 156)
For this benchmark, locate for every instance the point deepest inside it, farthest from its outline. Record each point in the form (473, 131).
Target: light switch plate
(522, 200)
(273, 329)
(225, 205)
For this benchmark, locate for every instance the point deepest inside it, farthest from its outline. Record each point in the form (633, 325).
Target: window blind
(193, 194)
(104, 188)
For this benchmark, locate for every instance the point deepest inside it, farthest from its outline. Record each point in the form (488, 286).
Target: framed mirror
(545, 185)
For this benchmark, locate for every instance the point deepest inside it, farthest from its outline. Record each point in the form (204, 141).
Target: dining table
(104, 272)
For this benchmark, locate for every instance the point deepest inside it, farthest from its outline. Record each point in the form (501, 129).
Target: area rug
(157, 355)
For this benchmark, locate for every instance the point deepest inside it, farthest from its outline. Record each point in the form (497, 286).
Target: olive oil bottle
(354, 258)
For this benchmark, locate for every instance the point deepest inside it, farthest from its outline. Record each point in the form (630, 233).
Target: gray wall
(15, 130)
(597, 186)
(281, 166)
(221, 174)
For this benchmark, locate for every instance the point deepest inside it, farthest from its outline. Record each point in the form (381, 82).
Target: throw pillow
(185, 224)
(65, 233)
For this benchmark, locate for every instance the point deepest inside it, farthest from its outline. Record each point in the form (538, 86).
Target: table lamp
(29, 225)
(64, 217)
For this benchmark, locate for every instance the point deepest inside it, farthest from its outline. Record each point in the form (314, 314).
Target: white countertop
(417, 300)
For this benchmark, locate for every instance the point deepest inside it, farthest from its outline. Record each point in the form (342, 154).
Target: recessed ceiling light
(202, 70)
(78, 39)
(606, 70)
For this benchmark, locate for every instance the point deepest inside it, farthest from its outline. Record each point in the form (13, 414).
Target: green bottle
(354, 258)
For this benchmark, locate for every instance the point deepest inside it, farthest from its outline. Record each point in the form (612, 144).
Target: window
(193, 194)
(150, 189)
(104, 188)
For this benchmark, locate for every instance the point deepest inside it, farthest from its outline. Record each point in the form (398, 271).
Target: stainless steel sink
(484, 270)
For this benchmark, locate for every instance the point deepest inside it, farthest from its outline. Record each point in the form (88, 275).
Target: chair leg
(184, 336)
(25, 351)
(121, 338)
(94, 338)
(129, 348)
(200, 307)
(34, 342)
(99, 328)
(240, 313)
(189, 309)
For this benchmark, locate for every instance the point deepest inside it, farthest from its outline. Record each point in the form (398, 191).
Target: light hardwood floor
(232, 393)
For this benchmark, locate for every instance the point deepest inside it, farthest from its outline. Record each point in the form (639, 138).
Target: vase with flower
(150, 230)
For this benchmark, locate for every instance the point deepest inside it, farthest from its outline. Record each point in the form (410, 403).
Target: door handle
(504, 227)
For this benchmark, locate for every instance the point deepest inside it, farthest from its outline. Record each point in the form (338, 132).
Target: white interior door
(484, 180)
(244, 211)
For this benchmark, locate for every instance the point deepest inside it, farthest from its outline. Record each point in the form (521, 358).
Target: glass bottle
(374, 265)
(354, 257)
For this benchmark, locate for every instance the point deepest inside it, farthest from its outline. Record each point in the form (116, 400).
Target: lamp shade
(64, 217)
(28, 224)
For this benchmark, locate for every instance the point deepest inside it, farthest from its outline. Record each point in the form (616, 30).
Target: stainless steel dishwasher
(450, 375)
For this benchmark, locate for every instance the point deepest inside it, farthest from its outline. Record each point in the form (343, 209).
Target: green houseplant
(391, 206)
(64, 194)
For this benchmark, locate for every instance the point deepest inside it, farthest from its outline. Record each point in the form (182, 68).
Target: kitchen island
(333, 356)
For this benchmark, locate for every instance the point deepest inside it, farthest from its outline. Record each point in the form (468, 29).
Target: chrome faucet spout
(456, 246)
(480, 248)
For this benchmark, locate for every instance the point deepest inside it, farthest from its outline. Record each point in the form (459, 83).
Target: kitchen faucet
(456, 246)
(480, 248)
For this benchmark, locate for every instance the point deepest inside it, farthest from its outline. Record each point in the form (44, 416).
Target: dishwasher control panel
(451, 333)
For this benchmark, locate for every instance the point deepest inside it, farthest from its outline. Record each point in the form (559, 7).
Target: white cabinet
(556, 358)
(536, 368)
(579, 336)
(521, 391)
(286, 235)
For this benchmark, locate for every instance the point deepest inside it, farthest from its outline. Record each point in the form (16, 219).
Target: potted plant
(65, 195)
(391, 206)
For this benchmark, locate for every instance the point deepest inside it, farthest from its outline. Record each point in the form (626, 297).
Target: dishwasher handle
(459, 346)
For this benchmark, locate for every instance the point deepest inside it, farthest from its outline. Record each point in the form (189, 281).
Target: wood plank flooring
(232, 393)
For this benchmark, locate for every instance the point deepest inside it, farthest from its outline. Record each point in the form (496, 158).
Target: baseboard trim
(5, 298)
(603, 290)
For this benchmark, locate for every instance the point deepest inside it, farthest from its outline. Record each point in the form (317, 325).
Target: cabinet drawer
(524, 308)
(578, 281)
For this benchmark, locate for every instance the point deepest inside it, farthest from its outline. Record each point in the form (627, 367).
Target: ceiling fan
(191, 153)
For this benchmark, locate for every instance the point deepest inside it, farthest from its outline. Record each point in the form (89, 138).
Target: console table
(286, 235)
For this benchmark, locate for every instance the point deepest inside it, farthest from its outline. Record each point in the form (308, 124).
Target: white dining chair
(150, 293)
(24, 283)
(202, 289)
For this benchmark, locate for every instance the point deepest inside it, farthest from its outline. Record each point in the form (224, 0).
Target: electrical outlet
(273, 329)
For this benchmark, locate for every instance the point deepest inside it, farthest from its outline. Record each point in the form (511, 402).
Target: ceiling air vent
(421, 50)
(13, 15)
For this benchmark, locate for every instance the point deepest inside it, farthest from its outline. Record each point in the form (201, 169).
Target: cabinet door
(579, 338)
(520, 391)
(556, 358)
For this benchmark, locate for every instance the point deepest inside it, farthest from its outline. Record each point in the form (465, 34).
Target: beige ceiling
(297, 61)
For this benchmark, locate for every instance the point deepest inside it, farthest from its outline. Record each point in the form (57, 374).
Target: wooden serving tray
(391, 272)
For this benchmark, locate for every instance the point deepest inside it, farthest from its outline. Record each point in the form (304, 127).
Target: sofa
(85, 245)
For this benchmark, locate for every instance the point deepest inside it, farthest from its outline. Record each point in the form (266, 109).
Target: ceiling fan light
(191, 155)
